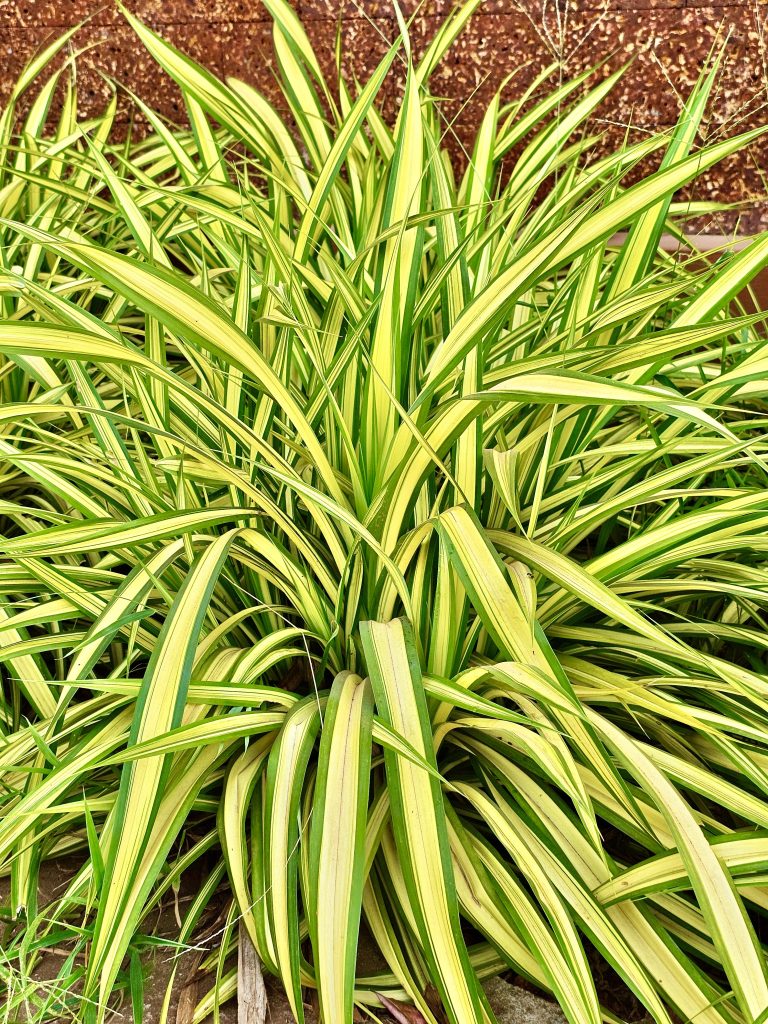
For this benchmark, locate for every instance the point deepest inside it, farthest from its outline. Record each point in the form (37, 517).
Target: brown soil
(513, 1003)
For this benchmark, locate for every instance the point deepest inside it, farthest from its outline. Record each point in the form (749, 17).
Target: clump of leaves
(380, 545)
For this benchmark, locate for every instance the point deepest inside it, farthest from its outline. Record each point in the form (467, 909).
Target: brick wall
(666, 41)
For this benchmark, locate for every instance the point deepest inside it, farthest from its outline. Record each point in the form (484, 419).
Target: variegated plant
(382, 544)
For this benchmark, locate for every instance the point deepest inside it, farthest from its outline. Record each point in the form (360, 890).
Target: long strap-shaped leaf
(723, 911)
(643, 237)
(243, 776)
(574, 235)
(520, 637)
(337, 846)
(158, 709)
(286, 769)
(186, 311)
(570, 977)
(418, 816)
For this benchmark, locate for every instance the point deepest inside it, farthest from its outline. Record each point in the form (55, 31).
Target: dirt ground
(512, 1003)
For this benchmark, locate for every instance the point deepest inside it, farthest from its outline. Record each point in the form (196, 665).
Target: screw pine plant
(380, 544)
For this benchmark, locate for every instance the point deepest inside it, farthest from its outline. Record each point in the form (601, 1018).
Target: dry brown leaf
(404, 1013)
(188, 996)
(251, 992)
